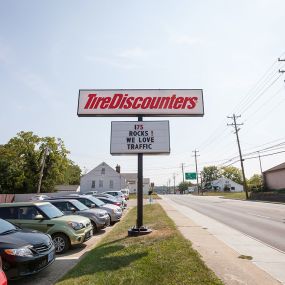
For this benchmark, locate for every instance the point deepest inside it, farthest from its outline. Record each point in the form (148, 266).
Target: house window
(233, 188)
(103, 171)
(111, 184)
(101, 183)
(93, 184)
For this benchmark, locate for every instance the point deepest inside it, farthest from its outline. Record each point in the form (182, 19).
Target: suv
(114, 212)
(24, 252)
(99, 218)
(42, 216)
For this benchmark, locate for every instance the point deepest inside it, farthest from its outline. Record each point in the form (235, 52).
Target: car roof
(60, 200)
(20, 204)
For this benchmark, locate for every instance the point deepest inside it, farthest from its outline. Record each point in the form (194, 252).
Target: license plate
(50, 256)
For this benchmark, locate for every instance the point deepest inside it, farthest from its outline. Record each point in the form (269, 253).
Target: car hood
(73, 218)
(23, 238)
(111, 206)
(95, 211)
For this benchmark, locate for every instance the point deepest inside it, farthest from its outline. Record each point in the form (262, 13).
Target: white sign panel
(144, 102)
(140, 137)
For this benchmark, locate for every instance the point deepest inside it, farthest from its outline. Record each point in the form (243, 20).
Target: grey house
(102, 178)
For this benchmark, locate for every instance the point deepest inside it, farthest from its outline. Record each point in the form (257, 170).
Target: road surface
(262, 221)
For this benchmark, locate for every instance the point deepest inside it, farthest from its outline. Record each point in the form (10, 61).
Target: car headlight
(76, 226)
(22, 251)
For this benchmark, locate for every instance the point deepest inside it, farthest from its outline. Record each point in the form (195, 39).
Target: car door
(27, 219)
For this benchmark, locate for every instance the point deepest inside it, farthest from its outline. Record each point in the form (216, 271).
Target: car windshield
(6, 227)
(96, 201)
(79, 205)
(108, 198)
(50, 210)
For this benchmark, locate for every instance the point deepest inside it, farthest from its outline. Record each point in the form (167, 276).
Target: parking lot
(64, 262)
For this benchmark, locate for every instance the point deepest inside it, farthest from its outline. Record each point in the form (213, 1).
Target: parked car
(39, 197)
(90, 193)
(43, 216)
(114, 212)
(3, 279)
(99, 218)
(117, 195)
(24, 252)
(110, 200)
(126, 192)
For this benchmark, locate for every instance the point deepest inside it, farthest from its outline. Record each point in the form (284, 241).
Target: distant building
(132, 182)
(222, 184)
(102, 178)
(67, 188)
(274, 178)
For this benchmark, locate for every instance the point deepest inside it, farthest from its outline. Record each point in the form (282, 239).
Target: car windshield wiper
(9, 231)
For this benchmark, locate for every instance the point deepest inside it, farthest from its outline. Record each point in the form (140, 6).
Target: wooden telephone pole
(234, 124)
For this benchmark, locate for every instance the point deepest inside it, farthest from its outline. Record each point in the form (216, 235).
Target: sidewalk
(222, 259)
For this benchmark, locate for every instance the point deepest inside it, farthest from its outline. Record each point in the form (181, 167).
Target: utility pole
(260, 162)
(169, 183)
(197, 179)
(234, 117)
(174, 192)
(182, 165)
(46, 153)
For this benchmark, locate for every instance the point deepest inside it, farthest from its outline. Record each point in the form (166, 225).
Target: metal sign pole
(139, 229)
(140, 187)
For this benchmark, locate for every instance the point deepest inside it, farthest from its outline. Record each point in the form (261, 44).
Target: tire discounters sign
(143, 102)
(148, 137)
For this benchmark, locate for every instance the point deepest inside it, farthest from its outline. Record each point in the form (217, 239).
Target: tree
(20, 163)
(255, 181)
(232, 173)
(210, 173)
(183, 186)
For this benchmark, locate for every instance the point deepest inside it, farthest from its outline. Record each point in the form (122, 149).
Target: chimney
(118, 168)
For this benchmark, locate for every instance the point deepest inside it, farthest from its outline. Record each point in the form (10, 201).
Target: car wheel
(111, 222)
(94, 226)
(61, 243)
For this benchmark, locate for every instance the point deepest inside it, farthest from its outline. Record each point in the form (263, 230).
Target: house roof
(67, 187)
(134, 176)
(277, 167)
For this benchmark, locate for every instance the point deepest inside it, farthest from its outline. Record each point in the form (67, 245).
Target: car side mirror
(38, 217)
(93, 206)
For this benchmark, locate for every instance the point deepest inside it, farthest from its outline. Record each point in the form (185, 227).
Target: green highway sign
(190, 175)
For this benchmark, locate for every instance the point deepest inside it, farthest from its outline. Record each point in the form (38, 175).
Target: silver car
(114, 212)
(99, 218)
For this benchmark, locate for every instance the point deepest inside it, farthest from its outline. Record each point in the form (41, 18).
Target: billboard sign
(147, 137)
(140, 102)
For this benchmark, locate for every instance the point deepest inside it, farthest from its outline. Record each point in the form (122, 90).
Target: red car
(3, 279)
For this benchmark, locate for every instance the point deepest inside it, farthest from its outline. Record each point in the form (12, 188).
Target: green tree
(232, 173)
(20, 163)
(210, 173)
(183, 186)
(255, 181)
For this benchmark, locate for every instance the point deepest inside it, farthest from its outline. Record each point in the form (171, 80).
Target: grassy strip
(227, 195)
(154, 196)
(162, 257)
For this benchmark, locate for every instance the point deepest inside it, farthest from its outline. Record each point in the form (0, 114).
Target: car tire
(61, 243)
(95, 228)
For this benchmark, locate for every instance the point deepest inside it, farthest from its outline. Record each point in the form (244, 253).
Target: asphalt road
(263, 221)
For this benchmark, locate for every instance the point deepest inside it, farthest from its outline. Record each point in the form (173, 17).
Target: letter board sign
(147, 137)
(143, 102)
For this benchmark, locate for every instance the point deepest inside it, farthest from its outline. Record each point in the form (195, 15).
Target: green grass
(134, 196)
(227, 195)
(162, 257)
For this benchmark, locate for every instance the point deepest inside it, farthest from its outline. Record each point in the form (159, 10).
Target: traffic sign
(190, 176)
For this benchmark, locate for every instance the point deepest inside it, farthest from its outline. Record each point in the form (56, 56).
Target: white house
(102, 178)
(132, 182)
(222, 183)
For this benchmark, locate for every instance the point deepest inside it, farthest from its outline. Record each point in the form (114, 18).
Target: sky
(230, 49)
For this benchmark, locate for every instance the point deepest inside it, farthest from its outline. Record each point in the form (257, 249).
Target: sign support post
(139, 229)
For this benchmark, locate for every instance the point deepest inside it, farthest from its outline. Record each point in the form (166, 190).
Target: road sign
(190, 175)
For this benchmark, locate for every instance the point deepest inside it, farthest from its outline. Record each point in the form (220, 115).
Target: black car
(24, 252)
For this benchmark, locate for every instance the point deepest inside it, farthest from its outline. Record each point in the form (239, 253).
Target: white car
(39, 197)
